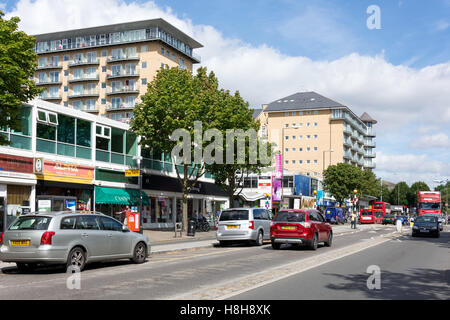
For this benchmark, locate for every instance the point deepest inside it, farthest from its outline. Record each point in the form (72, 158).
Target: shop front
(115, 202)
(63, 186)
(17, 188)
(166, 201)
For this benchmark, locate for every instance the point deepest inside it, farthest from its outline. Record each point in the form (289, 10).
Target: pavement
(165, 241)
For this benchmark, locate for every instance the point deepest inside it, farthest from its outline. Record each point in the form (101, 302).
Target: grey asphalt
(410, 268)
(165, 275)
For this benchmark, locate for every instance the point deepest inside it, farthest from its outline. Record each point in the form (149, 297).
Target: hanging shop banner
(276, 192)
(15, 164)
(66, 172)
(279, 166)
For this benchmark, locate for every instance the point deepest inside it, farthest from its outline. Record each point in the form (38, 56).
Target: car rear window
(31, 223)
(426, 219)
(234, 215)
(290, 217)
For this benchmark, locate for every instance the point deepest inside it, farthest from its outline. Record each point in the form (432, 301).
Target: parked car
(300, 227)
(426, 224)
(244, 224)
(334, 215)
(70, 238)
(389, 219)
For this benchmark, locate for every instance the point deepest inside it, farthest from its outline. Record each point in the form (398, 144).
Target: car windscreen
(429, 205)
(290, 217)
(230, 215)
(389, 216)
(366, 213)
(31, 223)
(426, 219)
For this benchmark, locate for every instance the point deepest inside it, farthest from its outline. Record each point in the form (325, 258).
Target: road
(249, 272)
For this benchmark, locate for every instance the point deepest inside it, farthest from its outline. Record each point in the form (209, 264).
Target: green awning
(129, 197)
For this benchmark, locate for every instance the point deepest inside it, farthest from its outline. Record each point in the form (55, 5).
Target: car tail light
(47, 237)
(1, 238)
(252, 225)
(271, 223)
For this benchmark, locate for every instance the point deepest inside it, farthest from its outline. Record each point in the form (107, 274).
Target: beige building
(313, 132)
(105, 70)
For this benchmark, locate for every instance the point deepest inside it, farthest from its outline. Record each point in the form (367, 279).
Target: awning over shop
(129, 197)
(252, 195)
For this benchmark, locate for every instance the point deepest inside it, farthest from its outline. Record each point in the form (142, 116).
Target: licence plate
(287, 228)
(424, 230)
(232, 227)
(22, 243)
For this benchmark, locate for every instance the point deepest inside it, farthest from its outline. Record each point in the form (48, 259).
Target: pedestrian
(353, 226)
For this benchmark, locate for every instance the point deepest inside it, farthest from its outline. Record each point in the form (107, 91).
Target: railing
(83, 62)
(123, 58)
(84, 78)
(370, 154)
(48, 82)
(50, 97)
(135, 73)
(134, 89)
(49, 66)
(371, 132)
(371, 144)
(87, 93)
(120, 107)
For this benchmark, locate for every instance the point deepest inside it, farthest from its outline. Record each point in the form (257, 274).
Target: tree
(412, 195)
(18, 63)
(234, 114)
(399, 195)
(341, 180)
(370, 185)
(444, 189)
(175, 104)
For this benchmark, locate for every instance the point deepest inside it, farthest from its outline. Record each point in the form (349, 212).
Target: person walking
(353, 217)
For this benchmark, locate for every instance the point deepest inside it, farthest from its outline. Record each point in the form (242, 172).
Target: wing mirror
(125, 229)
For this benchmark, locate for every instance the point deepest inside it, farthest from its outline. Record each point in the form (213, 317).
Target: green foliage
(399, 195)
(18, 64)
(341, 180)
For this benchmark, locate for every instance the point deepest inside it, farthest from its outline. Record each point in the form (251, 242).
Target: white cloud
(396, 96)
(410, 168)
(436, 141)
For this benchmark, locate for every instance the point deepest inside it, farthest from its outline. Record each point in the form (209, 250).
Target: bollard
(399, 225)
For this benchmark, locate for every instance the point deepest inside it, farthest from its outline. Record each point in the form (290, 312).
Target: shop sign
(16, 164)
(66, 172)
(38, 166)
(44, 205)
(132, 173)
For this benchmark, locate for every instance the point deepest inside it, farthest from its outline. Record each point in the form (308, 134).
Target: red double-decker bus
(428, 202)
(380, 209)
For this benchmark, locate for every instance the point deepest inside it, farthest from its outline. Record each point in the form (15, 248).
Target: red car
(301, 227)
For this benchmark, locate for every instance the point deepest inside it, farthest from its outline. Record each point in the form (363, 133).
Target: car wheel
(330, 240)
(314, 243)
(276, 245)
(139, 253)
(260, 239)
(76, 259)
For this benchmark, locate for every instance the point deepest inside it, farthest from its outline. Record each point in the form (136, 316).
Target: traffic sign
(132, 173)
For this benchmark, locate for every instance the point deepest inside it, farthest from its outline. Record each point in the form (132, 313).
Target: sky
(268, 49)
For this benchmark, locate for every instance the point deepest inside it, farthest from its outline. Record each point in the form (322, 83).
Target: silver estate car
(238, 224)
(70, 238)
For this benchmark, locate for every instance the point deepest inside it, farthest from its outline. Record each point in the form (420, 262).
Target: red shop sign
(15, 164)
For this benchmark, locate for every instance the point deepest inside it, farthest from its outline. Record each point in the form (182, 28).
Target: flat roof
(127, 26)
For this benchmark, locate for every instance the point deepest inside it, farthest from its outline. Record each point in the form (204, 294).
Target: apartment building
(313, 132)
(105, 70)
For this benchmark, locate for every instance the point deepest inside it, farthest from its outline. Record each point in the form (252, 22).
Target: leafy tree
(444, 189)
(176, 99)
(341, 180)
(399, 195)
(18, 63)
(412, 195)
(370, 185)
(234, 113)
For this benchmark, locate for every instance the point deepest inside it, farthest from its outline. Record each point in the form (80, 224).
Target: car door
(266, 219)
(93, 238)
(323, 226)
(119, 241)
(258, 219)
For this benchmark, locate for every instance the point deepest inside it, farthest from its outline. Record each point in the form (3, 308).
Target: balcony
(84, 94)
(347, 155)
(123, 58)
(48, 66)
(94, 109)
(50, 97)
(118, 75)
(371, 132)
(370, 165)
(121, 107)
(48, 83)
(348, 143)
(370, 144)
(370, 154)
(84, 62)
(84, 78)
(124, 90)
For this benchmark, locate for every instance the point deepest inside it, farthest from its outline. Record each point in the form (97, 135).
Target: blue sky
(268, 49)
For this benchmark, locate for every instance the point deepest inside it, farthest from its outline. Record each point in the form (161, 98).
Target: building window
(315, 148)
(315, 124)
(315, 136)
(294, 113)
(103, 101)
(144, 65)
(66, 57)
(316, 112)
(144, 48)
(308, 124)
(293, 149)
(293, 161)
(308, 149)
(103, 85)
(286, 162)
(104, 69)
(287, 138)
(286, 125)
(300, 161)
(315, 161)
(162, 51)
(144, 81)
(286, 114)
(308, 161)
(20, 139)
(104, 53)
(286, 150)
